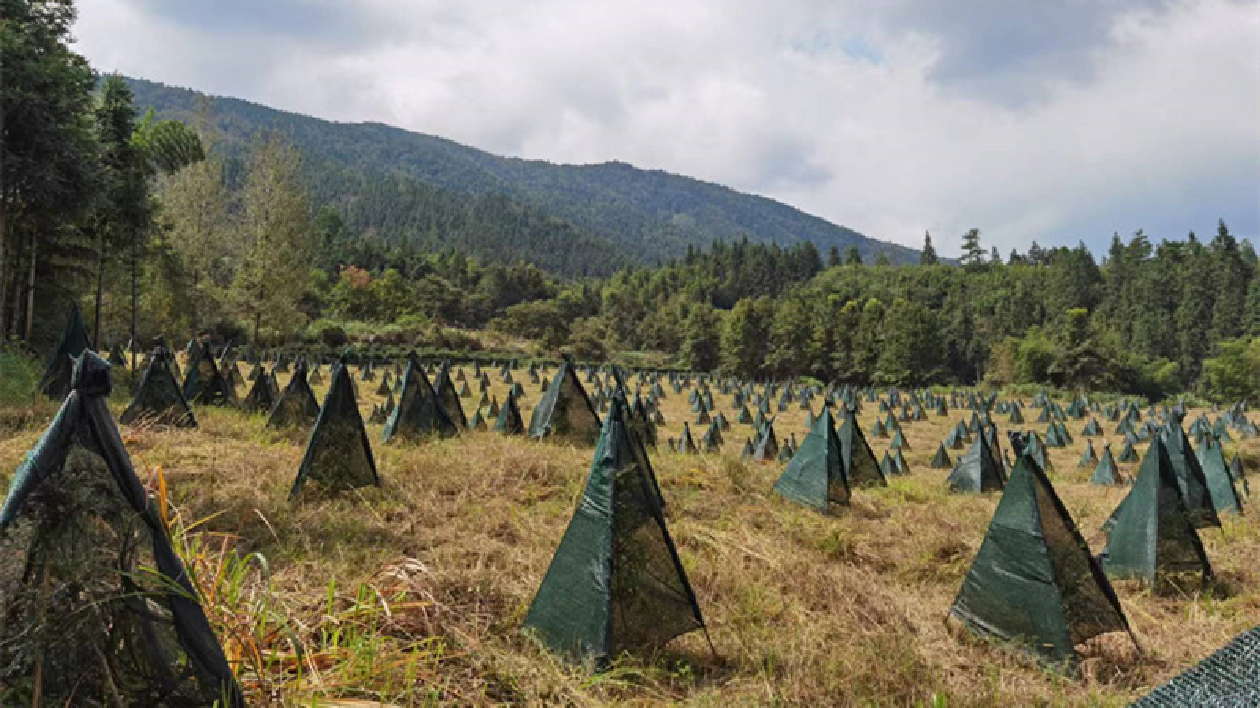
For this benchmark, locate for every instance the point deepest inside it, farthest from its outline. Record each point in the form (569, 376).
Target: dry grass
(413, 593)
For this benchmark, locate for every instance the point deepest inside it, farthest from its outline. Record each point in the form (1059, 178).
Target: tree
(882, 259)
(275, 237)
(47, 151)
(1234, 373)
(928, 255)
(972, 252)
(910, 352)
(701, 347)
(833, 256)
(744, 337)
(196, 207)
(852, 256)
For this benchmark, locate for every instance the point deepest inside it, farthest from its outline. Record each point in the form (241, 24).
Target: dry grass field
(413, 593)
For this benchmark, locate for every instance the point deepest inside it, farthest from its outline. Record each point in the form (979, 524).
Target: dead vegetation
(412, 594)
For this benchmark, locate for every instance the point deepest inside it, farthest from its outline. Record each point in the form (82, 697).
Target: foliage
(1234, 373)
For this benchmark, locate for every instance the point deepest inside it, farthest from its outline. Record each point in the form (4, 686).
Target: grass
(412, 594)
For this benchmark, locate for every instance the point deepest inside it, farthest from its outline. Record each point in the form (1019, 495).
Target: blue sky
(1059, 121)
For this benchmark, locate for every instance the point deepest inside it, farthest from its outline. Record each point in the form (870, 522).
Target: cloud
(1059, 122)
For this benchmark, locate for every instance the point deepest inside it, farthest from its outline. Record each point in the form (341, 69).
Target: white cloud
(1059, 127)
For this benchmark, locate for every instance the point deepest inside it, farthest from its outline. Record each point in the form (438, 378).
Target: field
(413, 593)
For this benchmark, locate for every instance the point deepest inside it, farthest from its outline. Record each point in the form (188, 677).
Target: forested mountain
(649, 216)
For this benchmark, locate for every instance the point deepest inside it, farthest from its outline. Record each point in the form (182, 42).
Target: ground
(413, 593)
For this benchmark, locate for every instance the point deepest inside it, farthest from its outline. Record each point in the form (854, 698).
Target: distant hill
(602, 215)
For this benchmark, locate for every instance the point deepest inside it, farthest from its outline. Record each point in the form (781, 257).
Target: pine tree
(833, 257)
(852, 256)
(928, 255)
(972, 252)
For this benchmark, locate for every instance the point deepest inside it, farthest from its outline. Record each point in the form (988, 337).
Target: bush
(328, 333)
(19, 375)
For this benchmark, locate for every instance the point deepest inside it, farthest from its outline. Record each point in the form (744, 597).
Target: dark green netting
(1033, 580)
(1230, 678)
(204, 384)
(766, 449)
(861, 469)
(941, 461)
(1106, 474)
(92, 596)
(976, 470)
(509, 421)
(1220, 483)
(59, 370)
(1151, 534)
(687, 444)
(338, 455)
(615, 583)
(449, 397)
(259, 399)
(565, 411)
(1194, 487)
(1089, 457)
(477, 422)
(815, 477)
(419, 414)
(297, 406)
(158, 398)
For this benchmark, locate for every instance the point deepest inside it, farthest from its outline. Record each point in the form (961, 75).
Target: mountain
(623, 213)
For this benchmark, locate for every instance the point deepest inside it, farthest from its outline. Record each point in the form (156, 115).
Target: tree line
(153, 231)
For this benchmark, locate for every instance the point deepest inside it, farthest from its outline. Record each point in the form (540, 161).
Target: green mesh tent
(477, 422)
(861, 468)
(1128, 454)
(1106, 474)
(158, 398)
(1194, 486)
(687, 444)
(887, 466)
(204, 384)
(509, 421)
(338, 454)
(260, 397)
(815, 476)
(1089, 457)
(1219, 481)
(1033, 580)
(766, 448)
(1230, 678)
(1092, 429)
(449, 397)
(296, 407)
(96, 605)
(1152, 533)
(419, 414)
(941, 461)
(977, 470)
(899, 461)
(615, 583)
(899, 442)
(565, 412)
(58, 371)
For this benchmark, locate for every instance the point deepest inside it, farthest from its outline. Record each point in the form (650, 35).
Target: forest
(174, 227)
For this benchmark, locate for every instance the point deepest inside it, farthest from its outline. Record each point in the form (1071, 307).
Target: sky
(1057, 121)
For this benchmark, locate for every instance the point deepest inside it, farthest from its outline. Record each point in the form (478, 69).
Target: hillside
(649, 214)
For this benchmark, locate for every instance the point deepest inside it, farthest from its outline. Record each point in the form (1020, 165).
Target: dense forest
(648, 215)
(174, 227)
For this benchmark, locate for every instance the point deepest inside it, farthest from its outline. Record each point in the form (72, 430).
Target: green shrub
(19, 375)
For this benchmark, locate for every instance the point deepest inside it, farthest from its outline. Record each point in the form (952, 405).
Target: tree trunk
(100, 288)
(30, 291)
(132, 344)
(11, 320)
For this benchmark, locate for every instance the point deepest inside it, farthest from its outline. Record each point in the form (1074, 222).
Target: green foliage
(563, 217)
(1234, 373)
(19, 374)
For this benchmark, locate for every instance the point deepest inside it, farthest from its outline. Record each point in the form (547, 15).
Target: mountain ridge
(643, 215)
